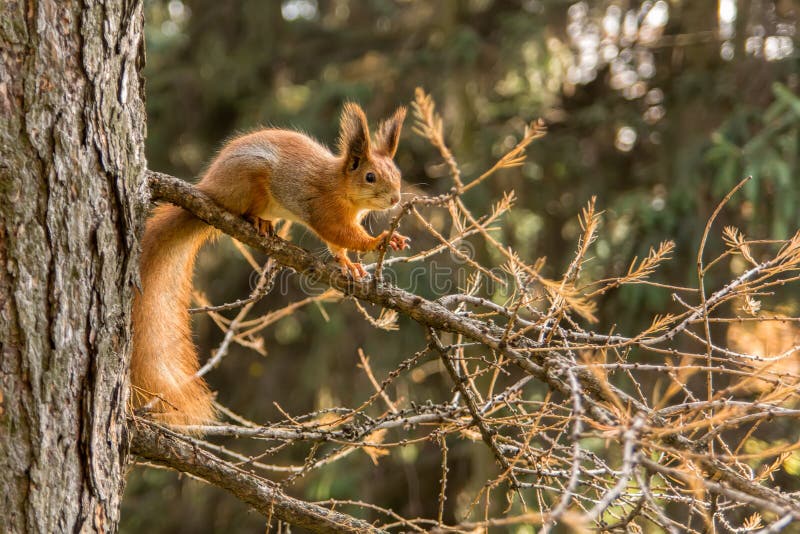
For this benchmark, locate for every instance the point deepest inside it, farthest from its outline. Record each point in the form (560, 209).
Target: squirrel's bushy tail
(164, 359)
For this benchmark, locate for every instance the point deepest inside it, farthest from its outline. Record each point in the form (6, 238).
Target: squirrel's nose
(395, 198)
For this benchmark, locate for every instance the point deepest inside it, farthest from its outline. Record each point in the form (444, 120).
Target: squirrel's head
(371, 176)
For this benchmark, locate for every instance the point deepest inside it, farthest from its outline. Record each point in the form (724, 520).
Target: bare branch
(169, 449)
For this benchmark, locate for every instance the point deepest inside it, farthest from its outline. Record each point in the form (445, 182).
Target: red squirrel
(264, 175)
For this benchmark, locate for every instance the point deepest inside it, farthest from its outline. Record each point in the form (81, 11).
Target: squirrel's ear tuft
(388, 135)
(353, 135)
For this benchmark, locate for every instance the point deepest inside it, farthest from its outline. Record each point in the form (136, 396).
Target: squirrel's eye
(370, 177)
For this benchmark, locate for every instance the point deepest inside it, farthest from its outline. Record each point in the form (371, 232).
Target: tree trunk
(71, 199)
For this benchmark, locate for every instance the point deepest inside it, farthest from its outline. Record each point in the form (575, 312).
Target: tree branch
(169, 449)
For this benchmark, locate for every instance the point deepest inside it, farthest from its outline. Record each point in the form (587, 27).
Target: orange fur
(164, 359)
(265, 175)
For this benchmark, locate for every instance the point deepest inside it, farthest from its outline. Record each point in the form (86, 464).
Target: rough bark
(71, 194)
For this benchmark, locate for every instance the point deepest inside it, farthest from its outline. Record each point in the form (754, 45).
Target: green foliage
(763, 144)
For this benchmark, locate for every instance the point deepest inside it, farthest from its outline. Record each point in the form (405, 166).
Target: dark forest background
(657, 108)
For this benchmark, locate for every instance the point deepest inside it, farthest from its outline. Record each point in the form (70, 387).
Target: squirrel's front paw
(399, 242)
(354, 269)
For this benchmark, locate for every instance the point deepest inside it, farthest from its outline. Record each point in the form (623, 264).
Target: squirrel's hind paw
(263, 226)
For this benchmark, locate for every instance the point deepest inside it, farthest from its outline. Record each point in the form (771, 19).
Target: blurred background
(656, 107)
